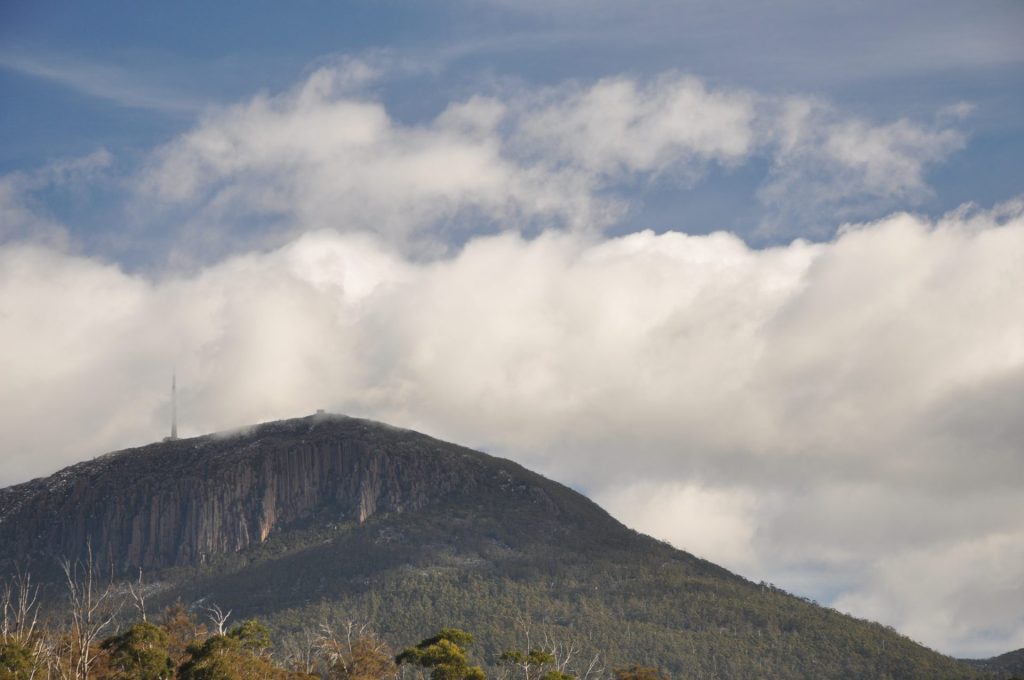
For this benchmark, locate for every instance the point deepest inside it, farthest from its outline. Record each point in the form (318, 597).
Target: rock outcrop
(308, 520)
(181, 502)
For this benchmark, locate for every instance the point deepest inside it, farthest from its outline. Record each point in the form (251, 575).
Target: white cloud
(102, 81)
(320, 156)
(23, 215)
(965, 594)
(845, 406)
(828, 166)
(716, 524)
(329, 155)
(618, 126)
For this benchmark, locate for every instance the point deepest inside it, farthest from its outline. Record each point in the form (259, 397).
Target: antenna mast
(174, 405)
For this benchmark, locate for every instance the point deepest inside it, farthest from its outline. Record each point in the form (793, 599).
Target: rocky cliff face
(340, 518)
(182, 502)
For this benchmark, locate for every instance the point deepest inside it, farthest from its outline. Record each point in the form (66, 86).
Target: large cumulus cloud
(826, 415)
(838, 406)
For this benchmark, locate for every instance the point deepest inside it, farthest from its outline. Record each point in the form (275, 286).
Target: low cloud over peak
(826, 406)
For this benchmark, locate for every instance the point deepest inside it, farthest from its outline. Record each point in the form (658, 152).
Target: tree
(444, 655)
(357, 655)
(219, 618)
(531, 663)
(22, 647)
(140, 653)
(239, 655)
(365, 657)
(300, 651)
(549, 661)
(253, 637)
(17, 662)
(182, 628)
(94, 607)
(217, 658)
(19, 602)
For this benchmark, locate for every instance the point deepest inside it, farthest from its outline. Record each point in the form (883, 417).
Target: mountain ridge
(322, 516)
(315, 471)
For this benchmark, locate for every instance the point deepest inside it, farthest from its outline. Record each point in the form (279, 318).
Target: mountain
(1011, 663)
(329, 517)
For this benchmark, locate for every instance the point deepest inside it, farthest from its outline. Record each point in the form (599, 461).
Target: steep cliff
(183, 502)
(306, 520)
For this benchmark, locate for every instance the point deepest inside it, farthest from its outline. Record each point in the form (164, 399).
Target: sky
(748, 274)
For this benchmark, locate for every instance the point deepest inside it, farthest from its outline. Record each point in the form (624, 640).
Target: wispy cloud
(101, 81)
(23, 217)
(329, 154)
(829, 167)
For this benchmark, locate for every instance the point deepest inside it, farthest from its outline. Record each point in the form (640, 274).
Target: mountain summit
(330, 516)
(185, 502)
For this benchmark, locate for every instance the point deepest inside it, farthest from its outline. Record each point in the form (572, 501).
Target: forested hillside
(317, 521)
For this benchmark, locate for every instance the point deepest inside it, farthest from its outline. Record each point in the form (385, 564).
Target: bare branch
(595, 668)
(218, 618)
(19, 601)
(93, 610)
(138, 593)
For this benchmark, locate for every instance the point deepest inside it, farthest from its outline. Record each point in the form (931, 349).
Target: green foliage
(218, 658)
(1011, 663)
(533, 664)
(505, 544)
(557, 675)
(16, 661)
(140, 653)
(444, 655)
(182, 628)
(252, 635)
(537, 550)
(239, 655)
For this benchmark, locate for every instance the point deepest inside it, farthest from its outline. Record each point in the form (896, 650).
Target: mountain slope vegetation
(327, 518)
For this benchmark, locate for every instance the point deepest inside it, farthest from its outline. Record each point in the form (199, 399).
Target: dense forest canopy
(105, 631)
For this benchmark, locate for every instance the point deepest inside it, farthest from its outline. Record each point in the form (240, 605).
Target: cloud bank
(831, 416)
(849, 405)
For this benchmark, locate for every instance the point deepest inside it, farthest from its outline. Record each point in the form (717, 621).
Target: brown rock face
(181, 502)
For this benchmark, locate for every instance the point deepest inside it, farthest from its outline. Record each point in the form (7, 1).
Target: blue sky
(749, 274)
(126, 78)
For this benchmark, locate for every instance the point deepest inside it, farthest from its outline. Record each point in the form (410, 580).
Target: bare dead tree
(336, 646)
(19, 600)
(501, 673)
(94, 607)
(561, 652)
(567, 658)
(530, 660)
(300, 652)
(524, 622)
(218, 617)
(45, 655)
(138, 595)
(19, 621)
(354, 651)
(595, 668)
